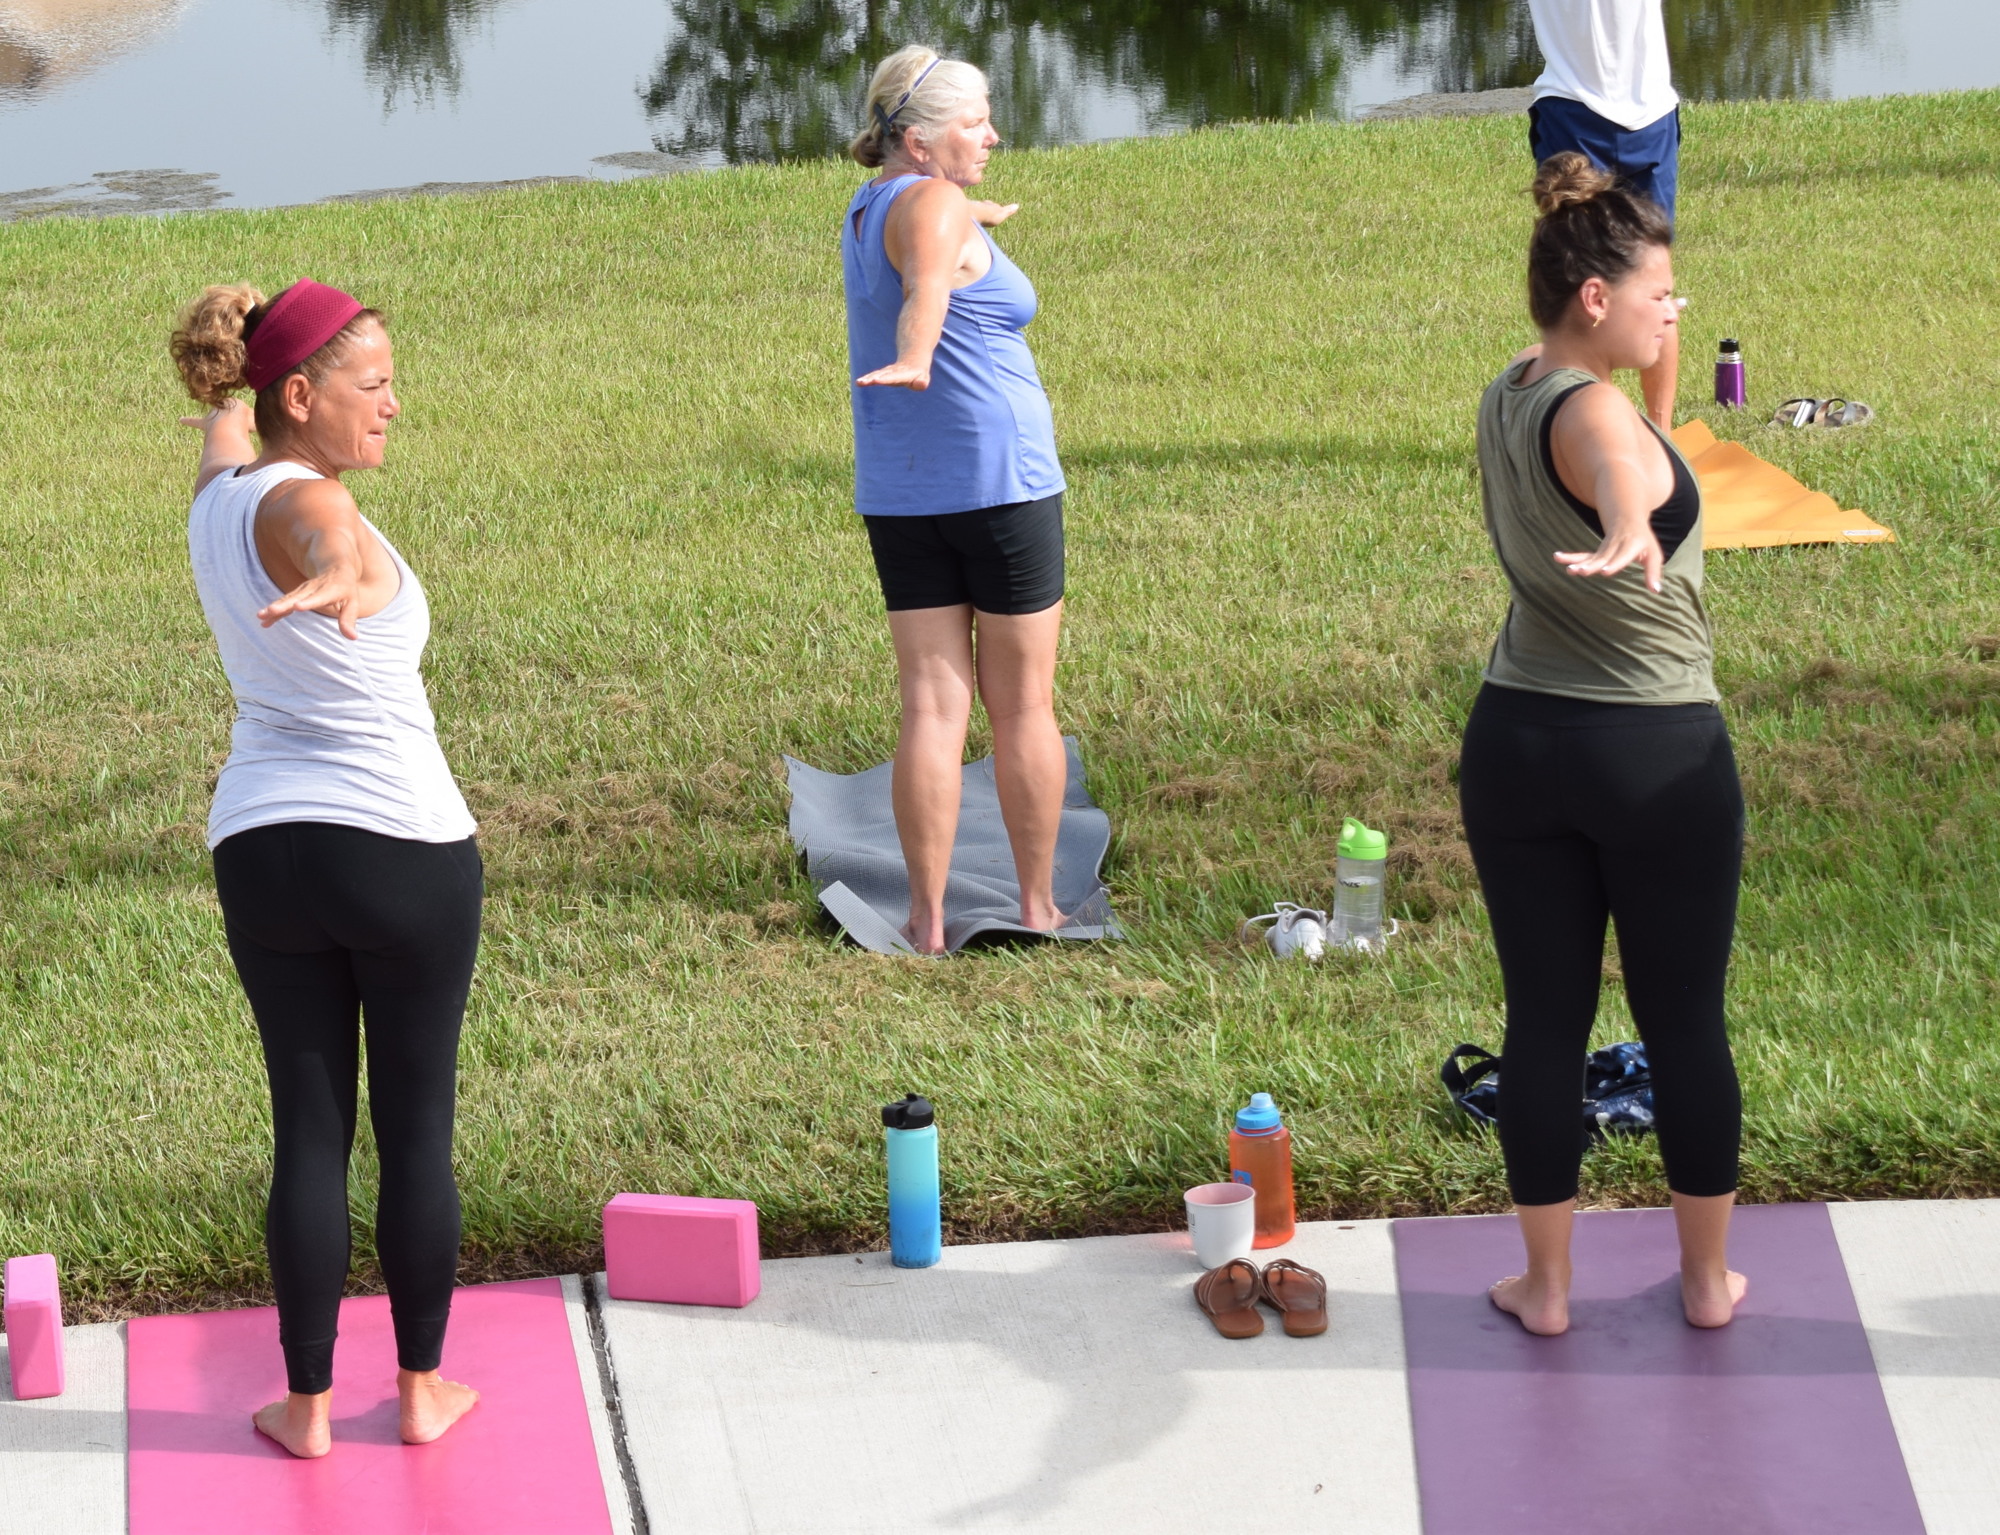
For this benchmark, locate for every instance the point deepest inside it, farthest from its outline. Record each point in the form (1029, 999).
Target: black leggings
(1575, 810)
(332, 926)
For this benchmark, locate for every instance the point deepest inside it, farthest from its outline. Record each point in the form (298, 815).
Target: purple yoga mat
(1633, 1421)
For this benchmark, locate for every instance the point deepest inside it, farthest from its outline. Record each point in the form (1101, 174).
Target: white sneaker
(1294, 930)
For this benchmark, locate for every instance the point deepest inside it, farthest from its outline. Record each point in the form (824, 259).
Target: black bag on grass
(1617, 1088)
(1618, 1091)
(1474, 1088)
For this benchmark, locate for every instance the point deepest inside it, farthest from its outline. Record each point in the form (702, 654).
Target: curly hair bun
(207, 345)
(1568, 179)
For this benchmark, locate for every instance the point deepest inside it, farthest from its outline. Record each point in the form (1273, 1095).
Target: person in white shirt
(345, 865)
(1607, 92)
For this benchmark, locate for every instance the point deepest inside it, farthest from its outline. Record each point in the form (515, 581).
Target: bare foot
(302, 1424)
(430, 1405)
(1710, 1305)
(929, 942)
(1043, 919)
(925, 930)
(1543, 1310)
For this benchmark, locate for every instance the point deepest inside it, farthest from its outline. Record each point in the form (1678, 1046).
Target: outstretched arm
(1606, 447)
(225, 441)
(314, 528)
(925, 238)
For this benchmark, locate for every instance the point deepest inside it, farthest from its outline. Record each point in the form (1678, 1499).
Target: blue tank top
(981, 435)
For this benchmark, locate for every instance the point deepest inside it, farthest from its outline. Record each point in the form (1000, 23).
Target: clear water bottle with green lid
(1357, 899)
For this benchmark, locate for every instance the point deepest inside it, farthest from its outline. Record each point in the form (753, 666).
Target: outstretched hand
(992, 215)
(899, 375)
(1621, 547)
(335, 594)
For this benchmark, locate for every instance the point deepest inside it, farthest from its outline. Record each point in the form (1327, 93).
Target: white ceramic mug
(1222, 1221)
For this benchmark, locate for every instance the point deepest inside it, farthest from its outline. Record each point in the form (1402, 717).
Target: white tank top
(1611, 55)
(327, 728)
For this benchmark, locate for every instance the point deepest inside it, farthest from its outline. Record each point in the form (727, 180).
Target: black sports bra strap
(1673, 519)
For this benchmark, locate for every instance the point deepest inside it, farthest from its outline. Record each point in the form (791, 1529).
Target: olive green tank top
(1596, 637)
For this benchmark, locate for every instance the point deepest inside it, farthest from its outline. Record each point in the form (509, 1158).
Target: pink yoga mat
(522, 1461)
(1633, 1421)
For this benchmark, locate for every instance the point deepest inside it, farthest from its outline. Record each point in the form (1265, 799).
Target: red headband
(295, 324)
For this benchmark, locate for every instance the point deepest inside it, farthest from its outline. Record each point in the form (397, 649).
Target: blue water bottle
(916, 1230)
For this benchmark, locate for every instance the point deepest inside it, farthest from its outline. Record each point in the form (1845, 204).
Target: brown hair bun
(1567, 179)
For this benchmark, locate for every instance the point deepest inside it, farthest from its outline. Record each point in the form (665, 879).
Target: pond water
(112, 105)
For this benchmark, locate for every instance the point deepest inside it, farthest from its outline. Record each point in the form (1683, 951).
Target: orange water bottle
(1260, 1154)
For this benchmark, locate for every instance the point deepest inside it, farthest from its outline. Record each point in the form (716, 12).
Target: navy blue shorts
(1648, 159)
(1001, 559)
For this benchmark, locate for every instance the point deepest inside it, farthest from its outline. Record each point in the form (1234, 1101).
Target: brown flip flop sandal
(1228, 1296)
(1299, 1293)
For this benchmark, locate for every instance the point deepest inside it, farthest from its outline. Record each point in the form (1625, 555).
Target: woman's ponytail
(208, 344)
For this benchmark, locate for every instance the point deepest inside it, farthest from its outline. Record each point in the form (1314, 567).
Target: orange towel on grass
(1747, 503)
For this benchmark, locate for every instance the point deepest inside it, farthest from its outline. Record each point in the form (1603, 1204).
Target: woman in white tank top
(345, 865)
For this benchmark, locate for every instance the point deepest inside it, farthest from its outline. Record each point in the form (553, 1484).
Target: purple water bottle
(1729, 376)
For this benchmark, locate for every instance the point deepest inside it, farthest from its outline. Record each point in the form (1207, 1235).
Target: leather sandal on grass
(1299, 1293)
(1807, 411)
(1228, 1297)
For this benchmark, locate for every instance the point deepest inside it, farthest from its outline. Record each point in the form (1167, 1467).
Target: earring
(1597, 322)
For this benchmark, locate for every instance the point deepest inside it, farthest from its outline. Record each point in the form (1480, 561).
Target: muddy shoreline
(113, 194)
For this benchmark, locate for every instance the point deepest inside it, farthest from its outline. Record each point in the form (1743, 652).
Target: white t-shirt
(1611, 55)
(327, 729)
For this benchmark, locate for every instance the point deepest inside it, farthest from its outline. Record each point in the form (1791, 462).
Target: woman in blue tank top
(955, 474)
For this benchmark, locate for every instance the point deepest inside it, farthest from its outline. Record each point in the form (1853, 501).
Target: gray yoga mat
(845, 828)
(1634, 1421)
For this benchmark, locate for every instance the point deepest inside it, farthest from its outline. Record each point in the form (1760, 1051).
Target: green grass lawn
(624, 475)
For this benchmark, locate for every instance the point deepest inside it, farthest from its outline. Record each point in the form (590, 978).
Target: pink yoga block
(34, 1326)
(691, 1252)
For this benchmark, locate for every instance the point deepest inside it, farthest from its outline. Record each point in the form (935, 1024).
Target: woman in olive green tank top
(1597, 781)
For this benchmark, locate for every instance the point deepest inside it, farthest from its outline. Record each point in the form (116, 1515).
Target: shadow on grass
(834, 473)
(1343, 452)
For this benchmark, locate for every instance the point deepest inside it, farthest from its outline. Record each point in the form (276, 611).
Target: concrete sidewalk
(1054, 1386)
(1927, 1278)
(62, 1459)
(1071, 1386)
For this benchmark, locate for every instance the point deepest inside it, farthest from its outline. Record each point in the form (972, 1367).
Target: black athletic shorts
(1001, 559)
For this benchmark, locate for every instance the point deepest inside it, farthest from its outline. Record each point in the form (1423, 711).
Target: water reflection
(782, 79)
(44, 42)
(489, 90)
(409, 45)
(1724, 50)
